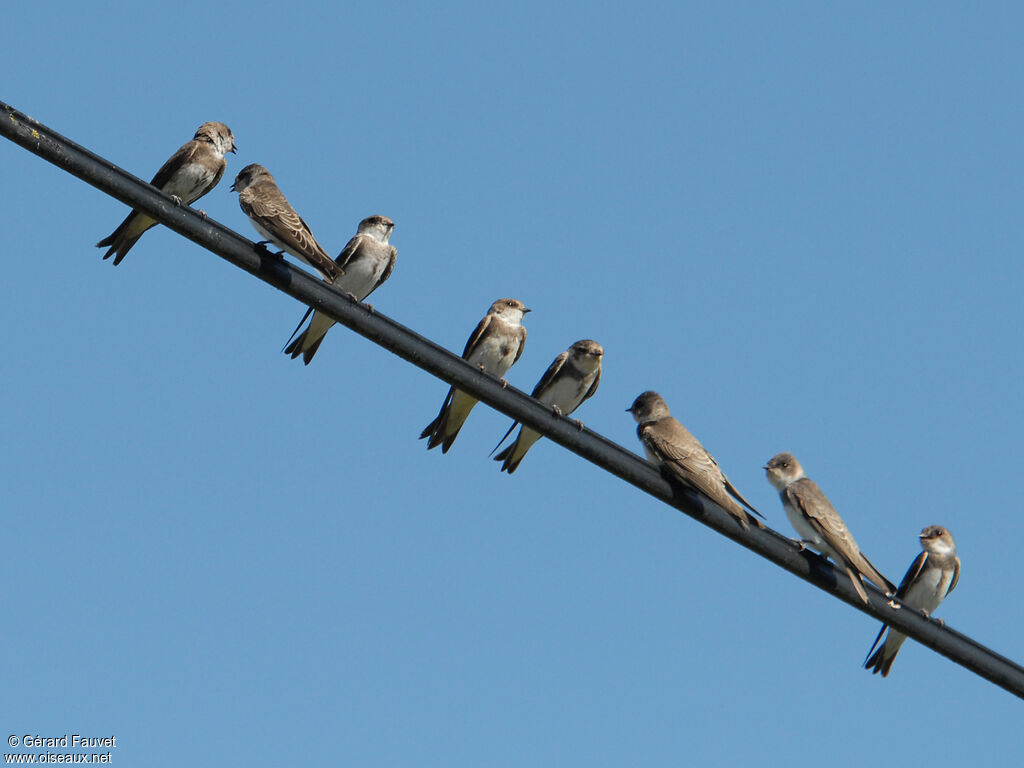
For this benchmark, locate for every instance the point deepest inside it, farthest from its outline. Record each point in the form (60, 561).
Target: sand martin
(933, 575)
(366, 262)
(670, 445)
(819, 525)
(495, 346)
(191, 172)
(274, 218)
(568, 381)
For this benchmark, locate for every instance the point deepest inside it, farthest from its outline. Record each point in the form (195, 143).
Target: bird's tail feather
(884, 656)
(435, 429)
(503, 438)
(307, 355)
(869, 660)
(857, 585)
(509, 458)
(125, 236)
(289, 346)
(876, 576)
(294, 348)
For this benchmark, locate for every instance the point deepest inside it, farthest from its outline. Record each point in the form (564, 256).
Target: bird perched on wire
(189, 174)
(366, 262)
(933, 575)
(494, 347)
(819, 525)
(274, 218)
(569, 380)
(670, 445)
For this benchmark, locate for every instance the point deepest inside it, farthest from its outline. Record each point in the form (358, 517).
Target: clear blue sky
(801, 223)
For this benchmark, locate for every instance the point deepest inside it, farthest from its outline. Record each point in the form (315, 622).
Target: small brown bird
(933, 575)
(819, 525)
(669, 444)
(189, 174)
(275, 219)
(366, 262)
(569, 380)
(495, 346)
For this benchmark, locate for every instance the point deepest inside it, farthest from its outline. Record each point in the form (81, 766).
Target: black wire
(422, 352)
